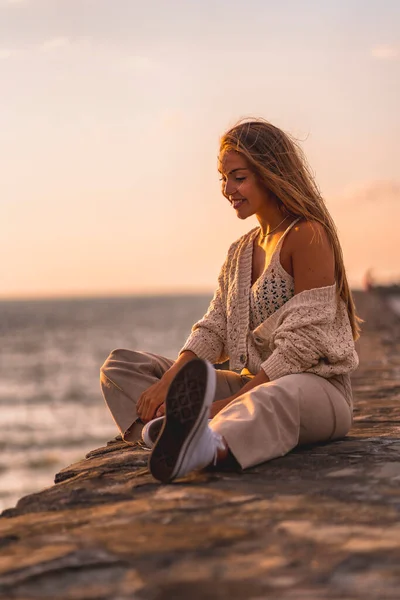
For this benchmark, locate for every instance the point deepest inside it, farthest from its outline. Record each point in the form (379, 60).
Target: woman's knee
(119, 356)
(325, 414)
(111, 358)
(118, 369)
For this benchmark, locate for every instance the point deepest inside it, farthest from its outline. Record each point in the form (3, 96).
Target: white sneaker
(151, 430)
(186, 442)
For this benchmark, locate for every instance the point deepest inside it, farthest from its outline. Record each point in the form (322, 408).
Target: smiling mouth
(238, 203)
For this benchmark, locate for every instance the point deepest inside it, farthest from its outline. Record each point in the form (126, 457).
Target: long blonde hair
(280, 165)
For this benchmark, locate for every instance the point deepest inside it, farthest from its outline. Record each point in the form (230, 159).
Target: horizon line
(99, 295)
(109, 295)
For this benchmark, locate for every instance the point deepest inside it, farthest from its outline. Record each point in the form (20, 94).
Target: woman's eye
(236, 178)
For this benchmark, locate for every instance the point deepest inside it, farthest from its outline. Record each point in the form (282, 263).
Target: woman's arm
(312, 257)
(182, 359)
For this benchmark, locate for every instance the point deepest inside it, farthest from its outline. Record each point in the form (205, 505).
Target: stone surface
(322, 522)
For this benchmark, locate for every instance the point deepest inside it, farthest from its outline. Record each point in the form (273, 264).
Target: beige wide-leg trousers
(267, 422)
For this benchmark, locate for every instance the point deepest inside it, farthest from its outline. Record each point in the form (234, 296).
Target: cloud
(134, 64)
(138, 63)
(386, 52)
(171, 120)
(6, 53)
(12, 2)
(54, 44)
(382, 192)
(51, 45)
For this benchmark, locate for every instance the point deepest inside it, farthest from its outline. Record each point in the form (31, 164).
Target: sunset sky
(111, 112)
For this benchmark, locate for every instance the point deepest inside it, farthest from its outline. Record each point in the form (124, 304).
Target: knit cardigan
(310, 333)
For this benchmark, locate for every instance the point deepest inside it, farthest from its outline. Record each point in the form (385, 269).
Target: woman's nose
(229, 189)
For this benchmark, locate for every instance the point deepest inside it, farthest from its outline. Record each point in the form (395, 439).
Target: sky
(111, 113)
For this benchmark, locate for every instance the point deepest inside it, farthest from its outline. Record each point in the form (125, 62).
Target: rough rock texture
(322, 522)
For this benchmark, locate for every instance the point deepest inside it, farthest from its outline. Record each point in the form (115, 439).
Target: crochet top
(310, 332)
(273, 288)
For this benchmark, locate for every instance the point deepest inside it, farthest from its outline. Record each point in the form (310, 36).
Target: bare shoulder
(312, 256)
(308, 233)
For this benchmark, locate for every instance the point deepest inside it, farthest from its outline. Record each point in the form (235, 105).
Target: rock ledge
(322, 522)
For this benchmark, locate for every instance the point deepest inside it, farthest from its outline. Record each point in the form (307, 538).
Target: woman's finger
(161, 410)
(150, 409)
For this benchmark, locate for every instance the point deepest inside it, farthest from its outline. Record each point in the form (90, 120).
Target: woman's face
(241, 187)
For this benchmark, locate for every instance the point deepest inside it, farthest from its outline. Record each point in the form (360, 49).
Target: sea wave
(51, 408)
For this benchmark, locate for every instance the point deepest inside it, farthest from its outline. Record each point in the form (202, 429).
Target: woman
(282, 314)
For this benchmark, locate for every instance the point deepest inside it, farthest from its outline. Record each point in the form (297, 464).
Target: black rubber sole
(184, 409)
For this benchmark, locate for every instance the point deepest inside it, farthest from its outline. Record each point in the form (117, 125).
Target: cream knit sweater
(309, 333)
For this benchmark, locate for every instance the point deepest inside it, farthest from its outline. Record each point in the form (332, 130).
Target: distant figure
(368, 281)
(283, 315)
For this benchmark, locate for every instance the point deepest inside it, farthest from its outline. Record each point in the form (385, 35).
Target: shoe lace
(219, 444)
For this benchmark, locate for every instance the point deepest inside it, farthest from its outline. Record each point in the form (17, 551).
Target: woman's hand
(151, 402)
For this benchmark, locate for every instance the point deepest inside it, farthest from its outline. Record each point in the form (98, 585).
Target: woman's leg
(228, 383)
(275, 417)
(126, 374)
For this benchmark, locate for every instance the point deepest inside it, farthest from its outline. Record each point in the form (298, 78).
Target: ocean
(51, 408)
